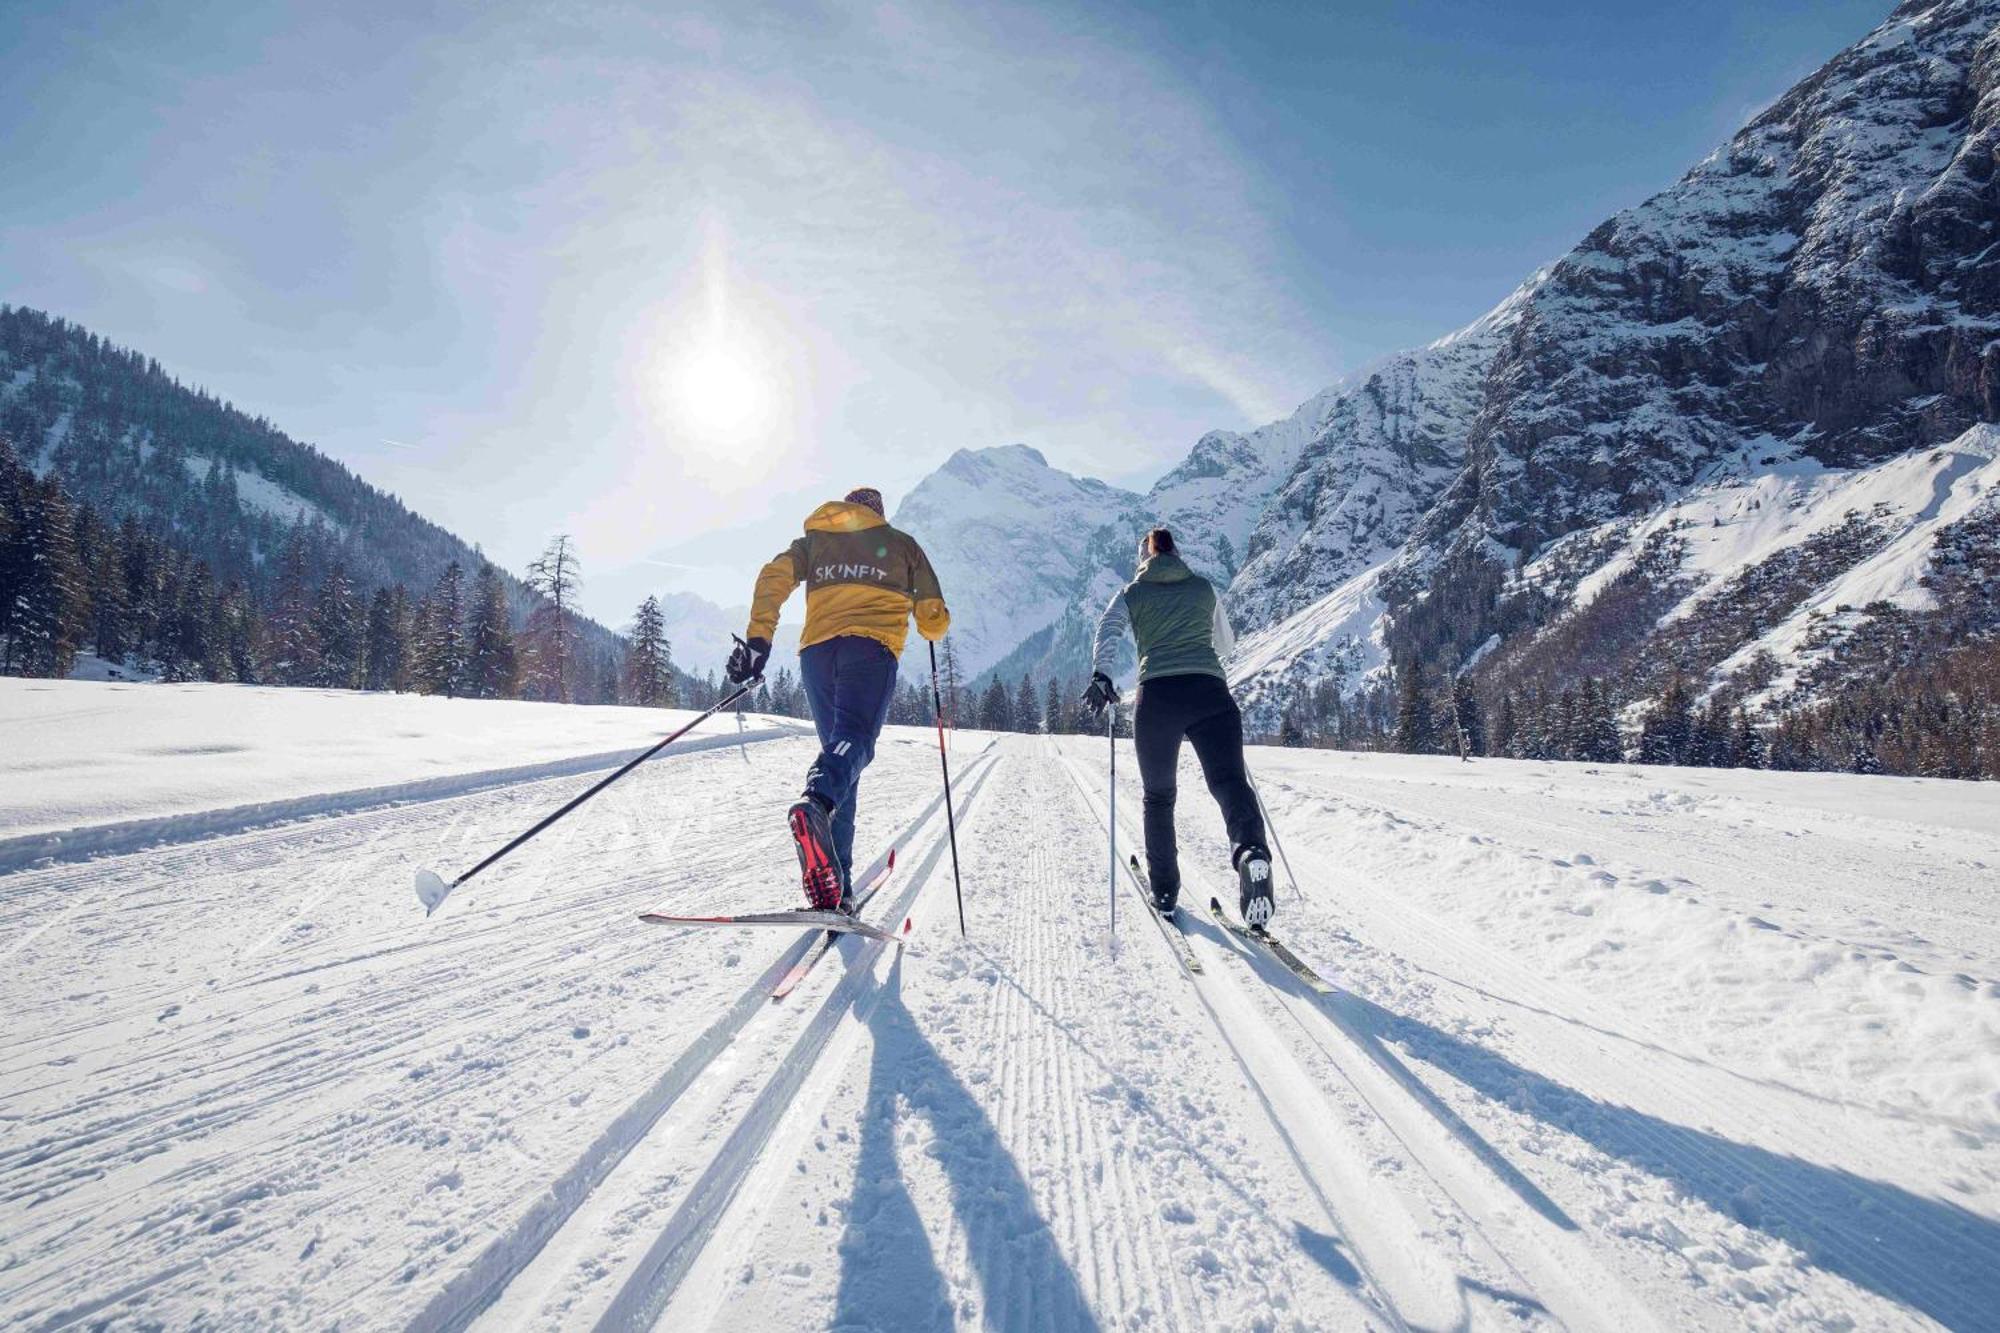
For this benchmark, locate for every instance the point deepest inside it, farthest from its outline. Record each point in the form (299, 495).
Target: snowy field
(1609, 1048)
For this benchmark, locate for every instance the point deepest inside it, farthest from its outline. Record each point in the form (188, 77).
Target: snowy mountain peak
(1013, 540)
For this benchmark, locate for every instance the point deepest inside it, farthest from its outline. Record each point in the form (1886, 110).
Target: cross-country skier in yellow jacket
(864, 580)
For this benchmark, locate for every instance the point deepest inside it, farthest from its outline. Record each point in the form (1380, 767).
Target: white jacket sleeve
(1111, 627)
(1224, 636)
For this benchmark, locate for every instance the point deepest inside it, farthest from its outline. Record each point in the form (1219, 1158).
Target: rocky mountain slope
(1817, 298)
(1652, 457)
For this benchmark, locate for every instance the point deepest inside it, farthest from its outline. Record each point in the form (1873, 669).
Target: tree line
(72, 582)
(1935, 718)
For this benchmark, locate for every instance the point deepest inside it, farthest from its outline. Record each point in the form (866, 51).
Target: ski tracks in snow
(253, 1057)
(1448, 1233)
(1025, 1133)
(262, 1091)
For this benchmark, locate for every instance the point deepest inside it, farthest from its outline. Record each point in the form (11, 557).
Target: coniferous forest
(163, 531)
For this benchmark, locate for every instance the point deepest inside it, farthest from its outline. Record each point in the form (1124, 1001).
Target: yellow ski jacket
(862, 577)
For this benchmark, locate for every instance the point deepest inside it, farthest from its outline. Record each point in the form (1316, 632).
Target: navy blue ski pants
(849, 683)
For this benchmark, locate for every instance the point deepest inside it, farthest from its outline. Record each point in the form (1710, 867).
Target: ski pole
(431, 887)
(1272, 829)
(950, 819)
(1111, 735)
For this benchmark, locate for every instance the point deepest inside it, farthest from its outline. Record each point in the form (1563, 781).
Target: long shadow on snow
(1929, 1254)
(889, 1276)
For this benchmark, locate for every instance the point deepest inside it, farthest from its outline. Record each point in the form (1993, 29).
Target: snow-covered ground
(1609, 1047)
(94, 766)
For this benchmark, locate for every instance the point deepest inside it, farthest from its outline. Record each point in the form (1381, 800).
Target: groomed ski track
(293, 1103)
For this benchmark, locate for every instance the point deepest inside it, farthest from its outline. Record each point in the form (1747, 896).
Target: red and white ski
(790, 981)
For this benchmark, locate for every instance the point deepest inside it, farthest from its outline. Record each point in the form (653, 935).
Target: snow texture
(1609, 1048)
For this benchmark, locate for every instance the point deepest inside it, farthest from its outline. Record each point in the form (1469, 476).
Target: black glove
(1100, 693)
(746, 661)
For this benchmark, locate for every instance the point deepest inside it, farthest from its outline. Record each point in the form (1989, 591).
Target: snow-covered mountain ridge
(1801, 319)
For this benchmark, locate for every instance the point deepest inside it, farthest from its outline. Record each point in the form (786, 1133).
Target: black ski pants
(1198, 707)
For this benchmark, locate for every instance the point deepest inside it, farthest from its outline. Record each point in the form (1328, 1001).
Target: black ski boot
(820, 870)
(1164, 899)
(1253, 876)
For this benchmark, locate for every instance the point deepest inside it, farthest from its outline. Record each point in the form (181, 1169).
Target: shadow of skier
(890, 1278)
(1929, 1254)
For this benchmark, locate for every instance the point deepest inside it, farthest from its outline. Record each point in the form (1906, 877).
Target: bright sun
(719, 391)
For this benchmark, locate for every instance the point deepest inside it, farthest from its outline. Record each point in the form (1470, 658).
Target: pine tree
(338, 632)
(185, 648)
(40, 581)
(1506, 727)
(1027, 714)
(649, 666)
(241, 632)
(948, 683)
(139, 564)
(557, 578)
(1746, 743)
(787, 696)
(1053, 720)
(1416, 718)
(996, 709)
(293, 653)
(490, 667)
(17, 555)
(385, 641)
(1597, 739)
(441, 656)
(97, 560)
(1468, 718)
(1667, 733)
(1708, 742)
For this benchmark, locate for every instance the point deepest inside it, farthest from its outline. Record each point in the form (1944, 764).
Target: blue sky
(662, 276)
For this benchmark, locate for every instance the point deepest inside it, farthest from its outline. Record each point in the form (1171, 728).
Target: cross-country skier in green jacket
(1184, 637)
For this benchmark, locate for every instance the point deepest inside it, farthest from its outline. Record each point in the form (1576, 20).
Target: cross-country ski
(1271, 945)
(834, 922)
(798, 972)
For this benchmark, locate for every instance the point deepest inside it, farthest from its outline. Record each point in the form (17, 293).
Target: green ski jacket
(1176, 619)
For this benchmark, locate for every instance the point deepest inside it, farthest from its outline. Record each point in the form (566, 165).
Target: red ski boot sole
(819, 870)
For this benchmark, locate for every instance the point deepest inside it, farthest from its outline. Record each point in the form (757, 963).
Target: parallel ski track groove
(469, 1294)
(1377, 1288)
(650, 1285)
(315, 1068)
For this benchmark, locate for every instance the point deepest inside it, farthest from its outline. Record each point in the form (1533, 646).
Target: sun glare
(719, 392)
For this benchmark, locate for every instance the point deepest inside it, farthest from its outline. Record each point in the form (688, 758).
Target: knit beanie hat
(866, 495)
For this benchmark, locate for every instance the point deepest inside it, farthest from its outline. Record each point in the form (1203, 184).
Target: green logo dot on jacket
(1176, 619)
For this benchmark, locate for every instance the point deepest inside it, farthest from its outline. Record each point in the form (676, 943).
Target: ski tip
(892, 858)
(906, 925)
(1215, 906)
(1133, 861)
(431, 890)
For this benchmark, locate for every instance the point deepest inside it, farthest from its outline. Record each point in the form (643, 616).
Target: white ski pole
(1111, 734)
(1272, 829)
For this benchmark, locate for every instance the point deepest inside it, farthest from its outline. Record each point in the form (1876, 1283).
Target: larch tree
(557, 578)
